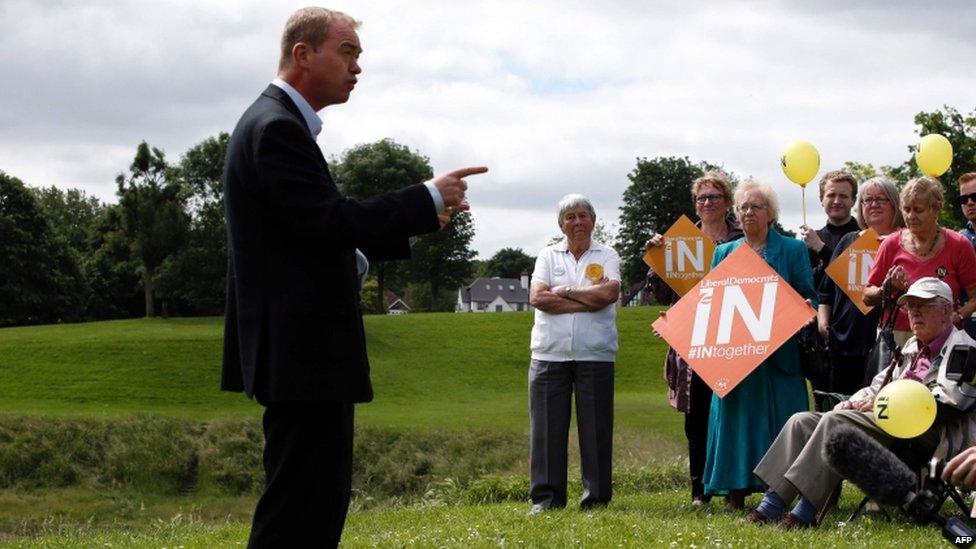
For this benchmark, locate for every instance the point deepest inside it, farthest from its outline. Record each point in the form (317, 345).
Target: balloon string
(803, 193)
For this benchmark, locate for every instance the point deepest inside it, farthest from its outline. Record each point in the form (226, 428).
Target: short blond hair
(838, 176)
(717, 179)
(309, 25)
(924, 190)
(769, 196)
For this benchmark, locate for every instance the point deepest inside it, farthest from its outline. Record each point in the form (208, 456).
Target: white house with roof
(494, 295)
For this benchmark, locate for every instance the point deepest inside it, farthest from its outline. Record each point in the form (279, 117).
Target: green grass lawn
(662, 518)
(430, 371)
(435, 374)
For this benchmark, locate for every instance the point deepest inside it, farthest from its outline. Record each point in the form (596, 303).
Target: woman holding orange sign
(743, 424)
(712, 196)
(849, 333)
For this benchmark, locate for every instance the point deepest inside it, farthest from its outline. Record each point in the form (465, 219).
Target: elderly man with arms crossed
(574, 346)
(794, 464)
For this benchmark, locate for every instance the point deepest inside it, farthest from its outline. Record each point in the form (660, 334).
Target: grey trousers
(794, 463)
(551, 387)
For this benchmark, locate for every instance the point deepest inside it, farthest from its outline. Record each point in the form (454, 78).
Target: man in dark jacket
(297, 252)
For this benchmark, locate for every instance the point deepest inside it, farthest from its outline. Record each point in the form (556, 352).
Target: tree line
(65, 256)
(660, 188)
(161, 249)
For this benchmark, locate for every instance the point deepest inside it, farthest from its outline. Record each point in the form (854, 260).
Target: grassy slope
(442, 371)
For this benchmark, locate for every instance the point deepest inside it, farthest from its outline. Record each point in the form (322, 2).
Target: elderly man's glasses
(703, 198)
(919, 306)
(964, 198)
(750, 208)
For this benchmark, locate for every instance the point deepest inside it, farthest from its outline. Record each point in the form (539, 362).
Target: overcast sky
(555, 97)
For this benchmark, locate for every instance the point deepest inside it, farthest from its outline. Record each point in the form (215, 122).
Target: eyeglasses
(919, 306)
(963, 198)
(750, 207)
(875, 201)
(701, 199)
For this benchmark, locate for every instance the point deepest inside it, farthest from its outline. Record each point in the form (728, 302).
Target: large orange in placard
(733, 319)
(850, 270)
(685, 256)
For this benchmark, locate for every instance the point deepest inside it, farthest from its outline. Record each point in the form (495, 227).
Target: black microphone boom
(872, 467)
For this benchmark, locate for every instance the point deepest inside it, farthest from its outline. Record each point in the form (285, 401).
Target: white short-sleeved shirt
(575, 336)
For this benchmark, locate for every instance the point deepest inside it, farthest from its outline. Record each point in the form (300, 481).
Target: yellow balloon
(800, 162)
(904, 408)
(934, 154)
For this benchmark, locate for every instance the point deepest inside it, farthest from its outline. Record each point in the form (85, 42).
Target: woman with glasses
(849, 333)
(922, 249)
(743, 424)
(712, 196)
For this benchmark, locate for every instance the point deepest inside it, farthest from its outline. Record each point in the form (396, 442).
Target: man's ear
(299, 54)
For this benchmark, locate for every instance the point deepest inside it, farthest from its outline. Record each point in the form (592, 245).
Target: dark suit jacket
(293, 330)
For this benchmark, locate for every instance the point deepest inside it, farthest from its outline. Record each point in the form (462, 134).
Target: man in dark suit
(293, 336)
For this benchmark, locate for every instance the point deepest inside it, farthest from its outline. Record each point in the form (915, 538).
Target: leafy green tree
(960, 130)
(110, 270)
(367, 296)
(659, 193)
(71, 214)
(371, 169)
(194, 279)
(442, 260)
(153, 218)
(39, 277)
(418, 297)
(508, 263)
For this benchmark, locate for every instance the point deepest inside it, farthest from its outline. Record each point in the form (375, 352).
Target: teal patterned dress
(743, 425)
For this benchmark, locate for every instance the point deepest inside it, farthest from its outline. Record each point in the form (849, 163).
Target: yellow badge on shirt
(594, 272)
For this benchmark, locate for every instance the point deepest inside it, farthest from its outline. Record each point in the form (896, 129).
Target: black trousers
(308, 475)
(696, 431)
(551, 388)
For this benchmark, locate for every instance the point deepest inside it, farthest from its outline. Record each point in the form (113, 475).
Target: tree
(153, 218)
(39, 277)
(71, 214)
(371, 169)
(110, 270)
(442, 260)
(960, 130)
(659, 193)
(194, 279)
(508, 263)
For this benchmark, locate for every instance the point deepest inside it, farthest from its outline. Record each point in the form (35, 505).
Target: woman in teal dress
(743, 424)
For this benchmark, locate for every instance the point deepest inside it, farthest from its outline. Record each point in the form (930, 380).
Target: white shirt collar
(311, 117)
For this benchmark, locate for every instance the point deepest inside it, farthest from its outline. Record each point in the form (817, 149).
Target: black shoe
(593, 504)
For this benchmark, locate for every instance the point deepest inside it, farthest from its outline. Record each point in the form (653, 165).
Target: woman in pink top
(922, 249)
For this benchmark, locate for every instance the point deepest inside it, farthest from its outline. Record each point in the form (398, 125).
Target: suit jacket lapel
(278, 94)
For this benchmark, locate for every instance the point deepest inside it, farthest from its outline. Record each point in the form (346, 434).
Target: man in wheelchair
(794, 466)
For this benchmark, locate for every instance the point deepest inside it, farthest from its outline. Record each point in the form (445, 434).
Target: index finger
(464, 172)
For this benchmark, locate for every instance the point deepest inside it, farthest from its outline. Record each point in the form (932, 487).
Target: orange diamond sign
(736, 317)
(684, 258)
(850, 270)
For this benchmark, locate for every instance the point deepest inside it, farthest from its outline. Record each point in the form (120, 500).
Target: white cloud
(555, 97)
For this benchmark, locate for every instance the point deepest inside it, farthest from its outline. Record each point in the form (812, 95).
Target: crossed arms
(569, 299)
